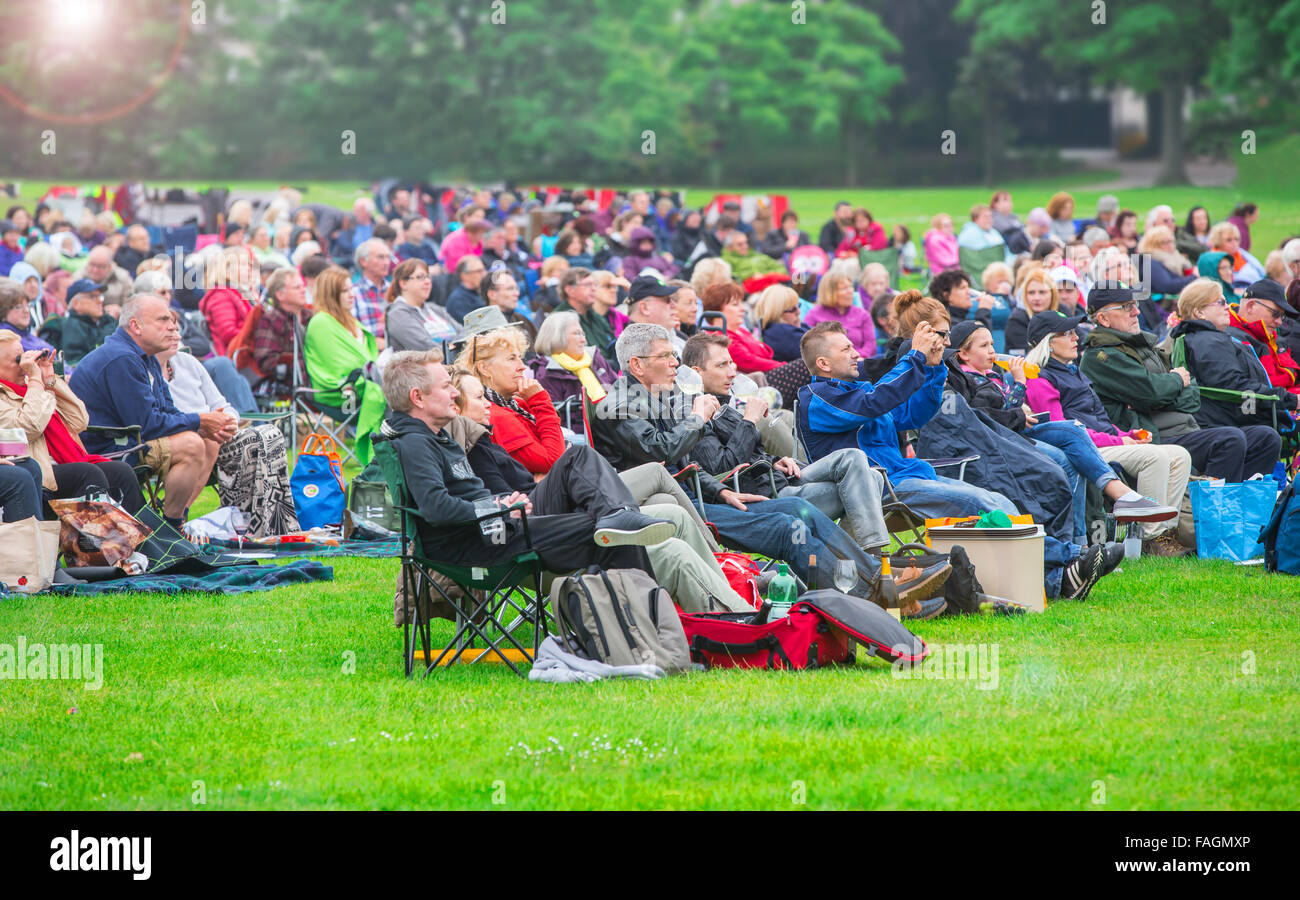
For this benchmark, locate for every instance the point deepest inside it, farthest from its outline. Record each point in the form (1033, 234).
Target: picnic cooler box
(1008, 561)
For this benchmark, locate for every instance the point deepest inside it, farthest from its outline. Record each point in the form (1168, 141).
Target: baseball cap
(1051, 321)
(1270, 290)
(961, 331)
(1100, 297)
(1064, 273)
(82, 286)
(648, 286)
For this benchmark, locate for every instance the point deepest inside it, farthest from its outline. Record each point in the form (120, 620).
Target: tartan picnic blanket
(306, 548)
(225, 580)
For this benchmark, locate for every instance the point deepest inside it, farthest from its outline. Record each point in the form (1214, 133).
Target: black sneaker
(1081, 575)
(930, 608)
(627, 527)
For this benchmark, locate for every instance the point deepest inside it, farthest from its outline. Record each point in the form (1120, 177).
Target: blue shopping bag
(317, 482)
(1229, 517)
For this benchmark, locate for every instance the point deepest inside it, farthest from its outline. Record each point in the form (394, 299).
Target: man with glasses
(578, 294)
(464, 298)
(87, 324)
(1256, 320)
(1140, 391)
(500, 289)
(650, 300)
(646, 418)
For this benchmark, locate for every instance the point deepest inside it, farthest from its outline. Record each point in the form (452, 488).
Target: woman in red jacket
(524, 423)
(748, 352)
(232, 279)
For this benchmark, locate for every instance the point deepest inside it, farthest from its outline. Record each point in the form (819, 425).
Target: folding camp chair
(887, 258)
(304, 403)
(1178, 357)
(126, 441)
(492, 603)
(974, 262)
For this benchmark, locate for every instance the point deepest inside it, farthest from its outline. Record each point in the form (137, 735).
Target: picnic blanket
(226, 580)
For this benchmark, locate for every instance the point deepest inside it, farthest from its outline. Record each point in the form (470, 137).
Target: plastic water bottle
(782, 592)
(1133, 544)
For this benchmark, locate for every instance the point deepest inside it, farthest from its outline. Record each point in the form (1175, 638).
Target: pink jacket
(225, 310)
(856, 321)
(1042, 395)
(457, 245)
(941, 251)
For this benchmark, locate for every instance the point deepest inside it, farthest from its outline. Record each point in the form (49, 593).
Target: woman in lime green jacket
(336, 346)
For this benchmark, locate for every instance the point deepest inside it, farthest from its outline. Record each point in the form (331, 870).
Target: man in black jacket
(841, 484)
(577, 519)
(832, 234)
(645, 418)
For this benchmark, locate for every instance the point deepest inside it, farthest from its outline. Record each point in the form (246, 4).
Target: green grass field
(1173, 687)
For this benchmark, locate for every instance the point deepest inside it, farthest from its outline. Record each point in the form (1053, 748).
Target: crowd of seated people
(474, 351)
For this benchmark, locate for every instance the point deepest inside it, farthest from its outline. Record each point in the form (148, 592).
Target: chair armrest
(120, 436)
(945, 462)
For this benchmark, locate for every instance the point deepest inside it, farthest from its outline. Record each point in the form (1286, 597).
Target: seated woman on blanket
(1001, 394)
(252, 468)
(337, 349)
(683, 564)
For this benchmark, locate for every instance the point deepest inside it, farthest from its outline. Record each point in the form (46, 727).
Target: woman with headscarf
(1217, 266)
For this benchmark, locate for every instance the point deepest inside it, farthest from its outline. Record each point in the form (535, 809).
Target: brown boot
(1166, 544)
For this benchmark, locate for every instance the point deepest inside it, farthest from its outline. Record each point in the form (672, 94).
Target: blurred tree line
(851, 92)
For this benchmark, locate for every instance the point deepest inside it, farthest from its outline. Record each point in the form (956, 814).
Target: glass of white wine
(846, 575)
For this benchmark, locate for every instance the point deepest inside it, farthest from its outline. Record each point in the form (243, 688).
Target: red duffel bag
(742, 575)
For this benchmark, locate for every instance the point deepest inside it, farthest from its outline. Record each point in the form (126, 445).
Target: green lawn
(1172, 687)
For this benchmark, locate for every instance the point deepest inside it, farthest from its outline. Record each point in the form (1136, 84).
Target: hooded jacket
(1135, 385)
(500, 472)
(635, 261)
(442, 484)
(981, 393)
(835, 414)
(1283, 371)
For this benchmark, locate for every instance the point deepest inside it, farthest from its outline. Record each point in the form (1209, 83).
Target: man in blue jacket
(838, 410)
(122, 385)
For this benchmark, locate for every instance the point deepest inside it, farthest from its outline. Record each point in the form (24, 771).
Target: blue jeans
(843, 485)
(793, 530)
(1078, 456)
(944, 497)
(233, 386)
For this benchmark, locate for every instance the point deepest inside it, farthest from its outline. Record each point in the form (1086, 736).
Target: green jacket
(81, 334)
(1133, 380)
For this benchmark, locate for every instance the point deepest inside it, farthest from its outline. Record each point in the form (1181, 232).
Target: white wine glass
(846, 575)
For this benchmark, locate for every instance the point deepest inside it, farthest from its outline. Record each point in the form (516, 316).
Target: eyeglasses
(664, 356)
(942, 334)
(1222, 301)
(793, 309)
(1129, 307)
(1273, 312)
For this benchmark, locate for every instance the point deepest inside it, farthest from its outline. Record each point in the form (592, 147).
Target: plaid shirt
(368, 305)
(273, 341)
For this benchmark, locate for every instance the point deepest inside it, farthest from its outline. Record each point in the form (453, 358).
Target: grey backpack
(620, 617)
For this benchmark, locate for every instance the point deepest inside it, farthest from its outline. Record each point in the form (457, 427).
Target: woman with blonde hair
(708, 272)
(1226, 238)
(1035, 292)
(339, 352)
(835, 303)
(777, 311)
(42, 257)
(232, 278)
(1169, 268)
(524, 421)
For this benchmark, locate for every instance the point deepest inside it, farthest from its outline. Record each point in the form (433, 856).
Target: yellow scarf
(582, 368)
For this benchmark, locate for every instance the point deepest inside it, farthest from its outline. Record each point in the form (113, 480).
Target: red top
(1283, 371)
(536, 445)
(749, 353)
(225, 309)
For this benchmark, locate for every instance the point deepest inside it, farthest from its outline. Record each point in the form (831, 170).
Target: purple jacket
(633, 263)
(561, 384)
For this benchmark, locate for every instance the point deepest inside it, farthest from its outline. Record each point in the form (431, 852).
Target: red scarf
(62, 445)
